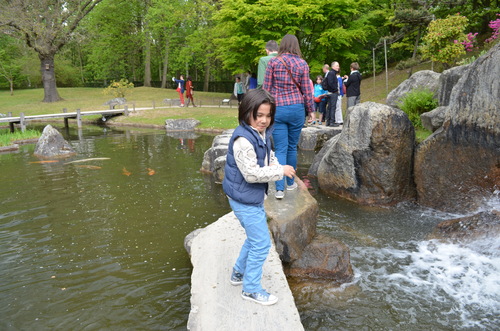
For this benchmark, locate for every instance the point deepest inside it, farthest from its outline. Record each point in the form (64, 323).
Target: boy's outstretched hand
(288, 171)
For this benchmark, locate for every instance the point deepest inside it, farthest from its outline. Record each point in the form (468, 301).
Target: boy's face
(263, 119)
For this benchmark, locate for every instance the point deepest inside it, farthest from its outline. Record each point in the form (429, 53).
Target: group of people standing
(330, 89)
(186, 86)
(276, 110)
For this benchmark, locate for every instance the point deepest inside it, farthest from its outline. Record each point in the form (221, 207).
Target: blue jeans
(288, 123)
(256, 247)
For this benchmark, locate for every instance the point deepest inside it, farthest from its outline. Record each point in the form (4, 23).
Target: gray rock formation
(434, 119)
(214, 158)
(425, 79)
(457, 168)
(292, 221)
(447, 81)
(313, 137)
(188, 124)
(313, 169)
(323, 258)
(371, 162)
(52, 144)
(478, 226)
(115, 101)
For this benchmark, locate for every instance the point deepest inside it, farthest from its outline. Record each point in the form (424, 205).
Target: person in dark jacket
(353, 86)
(332, 86)
(250, 165)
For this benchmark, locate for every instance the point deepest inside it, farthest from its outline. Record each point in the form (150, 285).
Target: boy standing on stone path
(250, 165)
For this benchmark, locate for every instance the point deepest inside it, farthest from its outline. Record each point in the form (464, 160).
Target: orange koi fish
(88, 166)
(126, 172)
(151, 172)
(46, 161)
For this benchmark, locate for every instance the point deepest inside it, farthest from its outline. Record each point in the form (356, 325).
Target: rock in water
(371, 161)
(51, 144)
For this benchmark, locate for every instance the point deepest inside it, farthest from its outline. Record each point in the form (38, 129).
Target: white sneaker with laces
(261, 297)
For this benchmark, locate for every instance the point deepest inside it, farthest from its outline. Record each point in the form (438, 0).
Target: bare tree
(45, 26)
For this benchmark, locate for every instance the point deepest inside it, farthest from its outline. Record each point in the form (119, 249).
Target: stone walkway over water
(215, 303)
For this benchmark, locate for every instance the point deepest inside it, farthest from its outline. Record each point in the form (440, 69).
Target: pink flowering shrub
(495, 25)
(470, 42)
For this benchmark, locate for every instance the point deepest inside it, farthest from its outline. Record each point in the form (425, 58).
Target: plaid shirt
(281, 86)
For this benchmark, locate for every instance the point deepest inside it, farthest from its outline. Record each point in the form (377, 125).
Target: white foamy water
(465, 278)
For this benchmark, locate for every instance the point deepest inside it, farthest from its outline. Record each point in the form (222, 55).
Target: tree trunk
(147, 61)
(49, 79)
(207, 75)
(165, 64)
(11, 83)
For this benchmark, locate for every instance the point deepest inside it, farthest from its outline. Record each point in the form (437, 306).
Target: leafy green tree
(10, 69)
(328, 30)
(46, 26)
(444, 38)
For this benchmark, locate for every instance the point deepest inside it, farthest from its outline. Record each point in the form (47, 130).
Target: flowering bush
(118, 89)
(495, 25)
(470, 42)
(444, 38)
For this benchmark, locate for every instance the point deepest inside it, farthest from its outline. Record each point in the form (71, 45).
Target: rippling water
(102, 248)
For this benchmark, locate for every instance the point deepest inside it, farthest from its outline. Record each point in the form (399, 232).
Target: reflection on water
(101, 247)
(94, 247)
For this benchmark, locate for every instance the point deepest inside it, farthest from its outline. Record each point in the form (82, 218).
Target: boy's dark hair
(355, 65)
(272, 46)
(251, 103)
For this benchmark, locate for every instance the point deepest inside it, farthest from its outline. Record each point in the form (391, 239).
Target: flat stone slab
(215, 303)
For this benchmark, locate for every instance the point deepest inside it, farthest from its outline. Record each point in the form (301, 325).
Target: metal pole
(386, 70)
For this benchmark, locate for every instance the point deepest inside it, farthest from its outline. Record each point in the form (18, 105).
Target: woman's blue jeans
(288, 123)
(256, 247)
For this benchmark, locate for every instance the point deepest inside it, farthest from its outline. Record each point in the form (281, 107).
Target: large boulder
(214, 158)
(313, 137)
(457, 168)
(371, 162)
(52, 144)
(323, 258)
(424, 79)
(447, 81)
(313, 168)
(188, 124)
(292, 221)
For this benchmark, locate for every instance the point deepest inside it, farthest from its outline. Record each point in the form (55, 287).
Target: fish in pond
(46, 161)
(151, 172)
(126, 172)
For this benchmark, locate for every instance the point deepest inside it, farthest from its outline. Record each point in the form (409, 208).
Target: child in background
(250, 165)
(320, 97)
(238, 90)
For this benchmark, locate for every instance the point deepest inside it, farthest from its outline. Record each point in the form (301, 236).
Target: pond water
(99, 245)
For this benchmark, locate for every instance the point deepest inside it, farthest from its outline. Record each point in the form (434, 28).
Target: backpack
(324, 84)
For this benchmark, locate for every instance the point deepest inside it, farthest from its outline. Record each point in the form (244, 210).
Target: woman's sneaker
(292, 187)
(261, 297)
(236, 278)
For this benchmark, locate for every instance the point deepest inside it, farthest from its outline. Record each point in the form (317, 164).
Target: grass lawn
(210, 115)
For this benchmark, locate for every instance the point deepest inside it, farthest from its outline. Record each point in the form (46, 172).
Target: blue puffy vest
(234, 184)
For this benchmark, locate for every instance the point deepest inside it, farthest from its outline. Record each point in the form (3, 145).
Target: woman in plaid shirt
(287, 79)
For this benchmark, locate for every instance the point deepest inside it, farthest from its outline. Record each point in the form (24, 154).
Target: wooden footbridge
(21, 120)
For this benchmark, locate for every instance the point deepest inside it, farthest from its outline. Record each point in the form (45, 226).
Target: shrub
(417, 102)
(118, 89)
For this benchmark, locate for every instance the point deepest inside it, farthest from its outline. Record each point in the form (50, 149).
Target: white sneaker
(261, 297)
(279, 195)
(292, 187)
